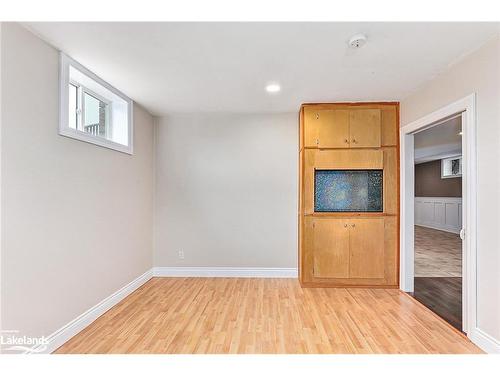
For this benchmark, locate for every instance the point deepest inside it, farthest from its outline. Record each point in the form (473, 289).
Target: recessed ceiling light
(273, 88)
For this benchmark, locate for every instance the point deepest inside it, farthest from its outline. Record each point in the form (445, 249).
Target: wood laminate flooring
(443, 295)
(236, 315)
(438, 271)
(437, 253)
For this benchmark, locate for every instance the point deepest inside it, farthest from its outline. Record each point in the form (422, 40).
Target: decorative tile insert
(348, 190)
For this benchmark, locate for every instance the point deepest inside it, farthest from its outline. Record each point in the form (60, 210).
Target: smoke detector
(357, 41)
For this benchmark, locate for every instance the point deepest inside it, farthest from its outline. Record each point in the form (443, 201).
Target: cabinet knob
(354, 140)
(346, 140)
(353, 225)
(317, 116)
(345, 225)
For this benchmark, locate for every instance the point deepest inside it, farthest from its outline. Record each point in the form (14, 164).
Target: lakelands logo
(12, 342)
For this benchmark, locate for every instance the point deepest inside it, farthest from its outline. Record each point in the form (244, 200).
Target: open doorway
(465, 110)
(438, 219)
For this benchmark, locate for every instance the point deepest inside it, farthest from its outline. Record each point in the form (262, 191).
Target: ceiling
(224, 67)
(440, 141)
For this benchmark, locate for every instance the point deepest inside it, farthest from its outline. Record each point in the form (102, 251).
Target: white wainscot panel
(439, 213)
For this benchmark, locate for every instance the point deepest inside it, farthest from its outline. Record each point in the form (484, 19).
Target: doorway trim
(466, 106)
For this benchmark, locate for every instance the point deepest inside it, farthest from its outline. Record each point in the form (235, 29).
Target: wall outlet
(181, 254)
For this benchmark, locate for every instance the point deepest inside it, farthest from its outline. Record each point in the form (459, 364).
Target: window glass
(95, 115)
(92, 110)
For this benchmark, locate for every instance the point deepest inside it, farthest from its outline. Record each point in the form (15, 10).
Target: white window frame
(82, 90)
(64, 129)
(444, 161)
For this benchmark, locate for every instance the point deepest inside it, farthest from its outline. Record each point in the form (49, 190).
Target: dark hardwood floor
(443, 295)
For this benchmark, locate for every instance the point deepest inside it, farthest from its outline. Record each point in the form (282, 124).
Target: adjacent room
(250, 187)
(438, 219)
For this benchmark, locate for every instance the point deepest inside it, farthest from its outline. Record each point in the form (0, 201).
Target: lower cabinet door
(331, 248)
(366, 248)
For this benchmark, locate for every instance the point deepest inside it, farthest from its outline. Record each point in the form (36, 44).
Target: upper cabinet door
(365, 127)
(311, 127)
(331, 248)
(334, 131)
(326, 128)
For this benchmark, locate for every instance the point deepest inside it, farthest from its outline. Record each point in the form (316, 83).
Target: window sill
(81, 136)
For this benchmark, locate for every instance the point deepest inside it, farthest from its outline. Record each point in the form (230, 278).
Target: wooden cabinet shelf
(349, 214)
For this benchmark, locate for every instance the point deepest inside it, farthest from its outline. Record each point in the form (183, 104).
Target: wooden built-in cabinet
(342, 128)
(330, 245)
(341, 248)
(348, 248)
(334, 159)
(327, 128)
(364, 127)
(366, 251)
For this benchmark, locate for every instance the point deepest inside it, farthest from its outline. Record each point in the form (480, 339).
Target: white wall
(1, 208)
(479, 73)
(226, 190)
(76, 218)
(443, 213)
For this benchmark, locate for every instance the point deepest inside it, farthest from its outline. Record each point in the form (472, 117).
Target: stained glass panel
(348, 191)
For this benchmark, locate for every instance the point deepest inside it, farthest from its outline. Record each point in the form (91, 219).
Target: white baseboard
(486, 342)
(225, 272)
(58, 338)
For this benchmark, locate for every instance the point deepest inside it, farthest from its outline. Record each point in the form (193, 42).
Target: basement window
(93, 111)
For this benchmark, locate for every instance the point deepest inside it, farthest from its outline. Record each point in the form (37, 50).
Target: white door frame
(466, 106)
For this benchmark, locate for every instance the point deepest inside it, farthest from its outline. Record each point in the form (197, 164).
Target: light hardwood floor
(231, 315)
(437, 253)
